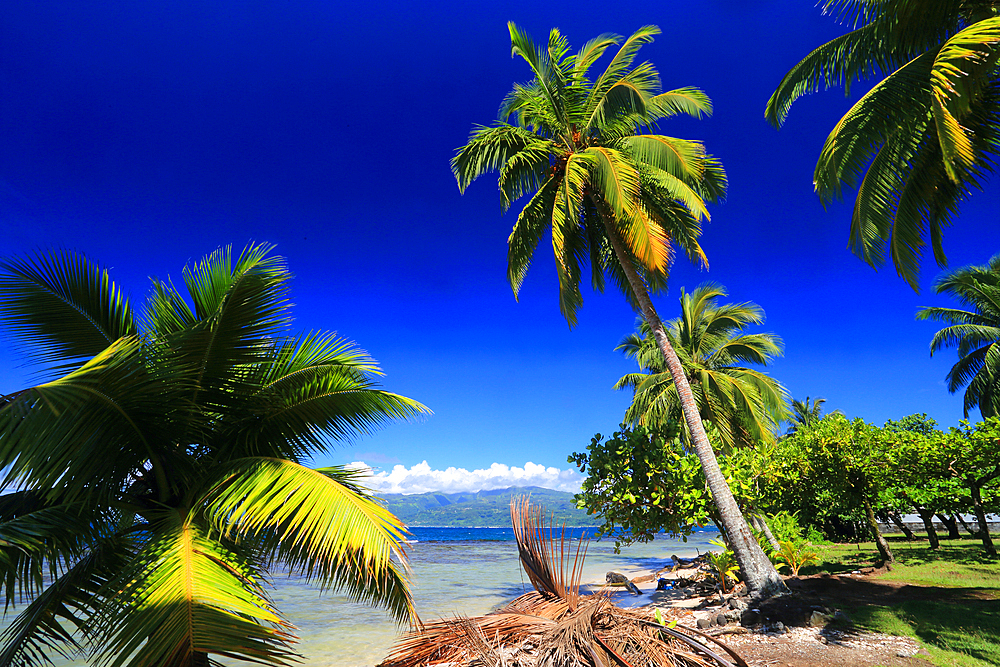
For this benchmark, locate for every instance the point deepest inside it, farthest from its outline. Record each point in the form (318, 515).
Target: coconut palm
(806, 413)
(924, 137)
(744, 404)
(611, 192)
(975, 332)
(161, 472)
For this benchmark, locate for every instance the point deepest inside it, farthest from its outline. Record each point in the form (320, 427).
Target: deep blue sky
(148, 134)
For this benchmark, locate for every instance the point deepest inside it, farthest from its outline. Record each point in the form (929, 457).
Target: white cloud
(421, 479)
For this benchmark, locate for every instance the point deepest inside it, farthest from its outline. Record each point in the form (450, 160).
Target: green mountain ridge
(483, 509)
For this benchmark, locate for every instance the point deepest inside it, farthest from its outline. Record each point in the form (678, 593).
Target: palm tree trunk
(764, 528)
(758, 572)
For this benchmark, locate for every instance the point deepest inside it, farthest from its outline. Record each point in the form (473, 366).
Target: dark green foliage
(642, 481)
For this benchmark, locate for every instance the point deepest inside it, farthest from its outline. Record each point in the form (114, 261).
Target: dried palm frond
(546, 568)
(555, 626)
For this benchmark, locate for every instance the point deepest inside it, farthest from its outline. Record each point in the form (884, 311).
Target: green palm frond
(583, 155)
(319, 388)
(532, 222)
(688, 101)
(48, 623)
(183, 594)
(974, 333)
(591, 51)
(37, 540)
(744, 404)
(920, 141)
(677, 157)
(114, 458)
(489, 149)
(319, 523)
(56, 436)
(63, 307)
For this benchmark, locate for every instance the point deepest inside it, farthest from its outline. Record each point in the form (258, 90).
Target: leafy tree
(976, 334)
(161, 473)
(744, 404)
(919, 478)
(806, 414)
(972, 452)
(613, 193)
(846, 460)
(924, 137)
(642, 481)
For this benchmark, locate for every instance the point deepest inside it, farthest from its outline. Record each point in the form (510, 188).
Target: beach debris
(619, 579)
(555, 625)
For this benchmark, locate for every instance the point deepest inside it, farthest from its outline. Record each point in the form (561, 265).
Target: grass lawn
(959, 624)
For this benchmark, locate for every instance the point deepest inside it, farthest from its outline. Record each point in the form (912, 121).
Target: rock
(704, 624)
(818, 619)
(721, 619)
(779, 627)
(619, 578)
(737, 604)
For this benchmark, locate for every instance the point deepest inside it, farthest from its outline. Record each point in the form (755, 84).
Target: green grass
(964, 635)
(955, 630)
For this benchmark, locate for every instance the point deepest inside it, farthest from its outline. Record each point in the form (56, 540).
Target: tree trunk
(927, 516)
(883, 546)
(767, 532)
(977, 505)
(961, 519)
(898, 521)
(757, 570)
(951, 525)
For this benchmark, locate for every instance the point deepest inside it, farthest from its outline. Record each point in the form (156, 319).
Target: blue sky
(148, 134)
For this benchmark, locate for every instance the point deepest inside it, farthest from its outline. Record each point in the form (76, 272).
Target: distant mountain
(483, 508)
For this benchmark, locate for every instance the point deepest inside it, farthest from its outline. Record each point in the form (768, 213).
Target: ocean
(455, 571)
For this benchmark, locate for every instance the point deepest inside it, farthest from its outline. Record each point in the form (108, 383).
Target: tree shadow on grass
(965, 626)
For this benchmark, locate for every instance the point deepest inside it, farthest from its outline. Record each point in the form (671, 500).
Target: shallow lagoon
(455, 571)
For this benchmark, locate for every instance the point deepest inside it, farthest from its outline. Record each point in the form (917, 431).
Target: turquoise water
(455, 572)
(449, 578)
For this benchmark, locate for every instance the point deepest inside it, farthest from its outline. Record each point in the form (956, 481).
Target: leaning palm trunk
(757, 570)
(556, 626)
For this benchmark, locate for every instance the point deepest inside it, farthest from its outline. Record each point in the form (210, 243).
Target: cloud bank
(421, 479)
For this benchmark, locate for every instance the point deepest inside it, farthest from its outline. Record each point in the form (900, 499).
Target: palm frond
(531, 224)
(319, 523)
(185, 594)
(63, 307)
(47, 624)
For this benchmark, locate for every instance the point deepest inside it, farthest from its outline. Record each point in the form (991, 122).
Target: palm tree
(612, 192)
(161, 473)
(923, 137)
(806, 414)
(744, 404)
(976, 334)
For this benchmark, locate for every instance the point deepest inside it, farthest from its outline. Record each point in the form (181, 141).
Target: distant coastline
(483, 509)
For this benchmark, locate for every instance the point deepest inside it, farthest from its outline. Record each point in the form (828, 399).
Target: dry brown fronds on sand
(555, 626)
